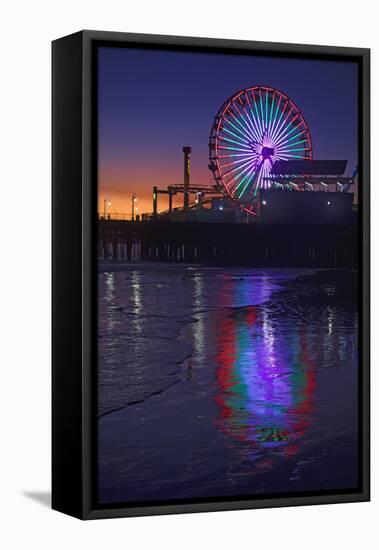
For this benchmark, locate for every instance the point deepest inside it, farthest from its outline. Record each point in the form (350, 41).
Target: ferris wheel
(253, 129)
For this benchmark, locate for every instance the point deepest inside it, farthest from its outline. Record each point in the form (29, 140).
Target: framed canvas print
(210, 274)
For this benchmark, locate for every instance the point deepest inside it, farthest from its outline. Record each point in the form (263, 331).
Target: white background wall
(27, 27)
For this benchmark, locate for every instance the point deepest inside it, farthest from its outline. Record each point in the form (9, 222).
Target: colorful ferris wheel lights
(253, 129)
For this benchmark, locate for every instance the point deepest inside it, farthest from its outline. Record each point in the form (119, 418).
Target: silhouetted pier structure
(255, 245)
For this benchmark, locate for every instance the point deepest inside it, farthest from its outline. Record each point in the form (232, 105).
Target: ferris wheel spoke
(287, 156)
(283, 145)
(271, 110)
(243, 133)
(276, 144)
(258, 116)
(248, 128)
(291, 151)
(261, 108)
(239, 143)
(244, 136)
(244, 163)
(242, 171)
(276, 122)
(252, 124)
(273, 122)
(230, 148)
(251, 175)
(245, 130)
(253, 181)
(279, 157)
(285, 149)
(235, 135)
(294, 128)
(232, 155)
(282, 135)
(284, 121)
(235, 182)
(238, 167)
(265, 120)
(287, 130)
(266, 110)
(272, 106)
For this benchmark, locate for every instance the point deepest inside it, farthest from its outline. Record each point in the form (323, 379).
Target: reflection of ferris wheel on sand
(253, 129)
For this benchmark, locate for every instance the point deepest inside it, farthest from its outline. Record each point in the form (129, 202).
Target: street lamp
(107, 202)
(134, 206)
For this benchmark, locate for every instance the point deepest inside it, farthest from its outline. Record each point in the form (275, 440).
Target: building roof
(309, 167)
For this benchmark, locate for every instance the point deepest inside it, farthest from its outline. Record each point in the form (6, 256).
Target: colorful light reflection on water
(266, 381)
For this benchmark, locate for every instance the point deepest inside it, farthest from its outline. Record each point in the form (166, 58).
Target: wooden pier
(255, 245)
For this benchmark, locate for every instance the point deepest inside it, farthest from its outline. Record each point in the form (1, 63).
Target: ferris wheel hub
(267, 152)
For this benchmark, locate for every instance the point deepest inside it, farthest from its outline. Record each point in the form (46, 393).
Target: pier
(254, 245)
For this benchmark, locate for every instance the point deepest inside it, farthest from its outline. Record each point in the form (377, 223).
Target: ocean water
(225, 382)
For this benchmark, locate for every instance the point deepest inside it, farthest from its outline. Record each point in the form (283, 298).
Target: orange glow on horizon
(121, 203)
(119, 179)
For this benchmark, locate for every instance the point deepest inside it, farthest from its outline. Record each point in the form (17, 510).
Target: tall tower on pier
(187, 164)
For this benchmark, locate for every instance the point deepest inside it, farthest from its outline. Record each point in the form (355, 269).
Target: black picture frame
(74, 203)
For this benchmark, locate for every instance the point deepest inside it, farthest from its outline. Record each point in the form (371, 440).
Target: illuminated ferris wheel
(253, 129)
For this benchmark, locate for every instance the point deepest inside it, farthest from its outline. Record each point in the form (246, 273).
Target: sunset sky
(153, 102)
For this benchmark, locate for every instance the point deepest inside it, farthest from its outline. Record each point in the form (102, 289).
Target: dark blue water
(226, 382)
